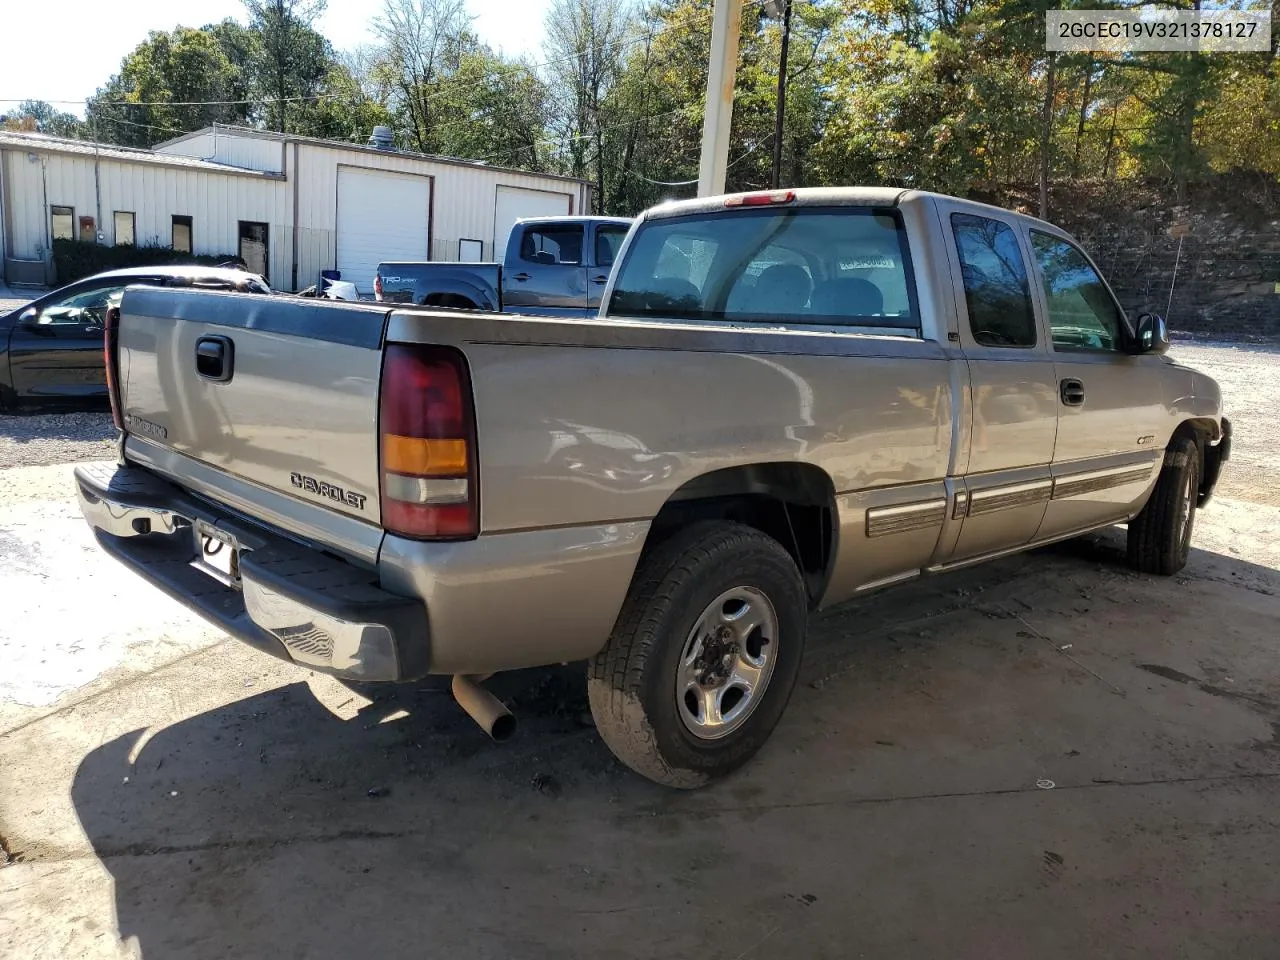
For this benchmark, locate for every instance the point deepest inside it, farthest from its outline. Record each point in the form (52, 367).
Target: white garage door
(515, 203)
(381, 216)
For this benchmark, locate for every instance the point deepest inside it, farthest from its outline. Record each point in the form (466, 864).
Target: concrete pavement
(1048, 756)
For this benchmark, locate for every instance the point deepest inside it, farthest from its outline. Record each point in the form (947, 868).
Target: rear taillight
(111, 362)
(429, 484)
(377, 287)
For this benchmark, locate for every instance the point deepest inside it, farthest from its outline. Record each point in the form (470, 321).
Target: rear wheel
(1160, 536)
(704, 655)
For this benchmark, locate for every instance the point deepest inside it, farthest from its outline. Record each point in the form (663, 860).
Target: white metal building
(289, 206)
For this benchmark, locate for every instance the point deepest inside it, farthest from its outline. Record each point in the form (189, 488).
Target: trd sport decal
(332, 491)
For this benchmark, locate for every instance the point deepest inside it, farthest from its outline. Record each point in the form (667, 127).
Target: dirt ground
(1047, 756)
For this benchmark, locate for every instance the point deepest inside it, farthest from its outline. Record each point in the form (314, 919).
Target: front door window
(75, 313)
(1082, 312)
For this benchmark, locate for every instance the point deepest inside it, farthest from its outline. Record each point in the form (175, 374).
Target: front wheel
(704, 655)
(1160, 536)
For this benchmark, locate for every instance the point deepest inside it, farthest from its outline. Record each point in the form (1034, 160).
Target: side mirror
(1152, 334)
(28, 317)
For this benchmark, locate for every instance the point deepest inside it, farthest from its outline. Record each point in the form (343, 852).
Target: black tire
(1160, 536)
(631, 683)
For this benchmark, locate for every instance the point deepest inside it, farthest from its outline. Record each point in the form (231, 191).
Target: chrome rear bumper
(290, 600)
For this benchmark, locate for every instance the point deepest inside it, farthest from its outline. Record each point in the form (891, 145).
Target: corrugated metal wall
(464, 198)
(198, 145)
(215, 202)
(247, 153)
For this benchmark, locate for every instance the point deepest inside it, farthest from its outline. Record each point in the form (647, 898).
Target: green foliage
(954, 95)
(74, 259)
(39, 117)
(146, 102)
(288, 60)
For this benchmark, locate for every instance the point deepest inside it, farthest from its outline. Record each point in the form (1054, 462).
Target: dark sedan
(51, 348)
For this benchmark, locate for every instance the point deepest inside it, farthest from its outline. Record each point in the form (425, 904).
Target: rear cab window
(794, 266)
(552, 244)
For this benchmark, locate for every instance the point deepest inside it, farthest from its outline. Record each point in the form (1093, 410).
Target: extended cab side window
(552, 244)
(995, 282)
(608, 243)
(1082, 313)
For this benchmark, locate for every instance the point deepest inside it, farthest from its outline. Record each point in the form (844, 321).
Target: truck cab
(552, 266)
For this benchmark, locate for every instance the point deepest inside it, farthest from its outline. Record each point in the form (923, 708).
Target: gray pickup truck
(554, 266)
(788, 400)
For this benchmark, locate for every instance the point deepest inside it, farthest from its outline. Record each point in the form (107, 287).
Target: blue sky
(64, 49)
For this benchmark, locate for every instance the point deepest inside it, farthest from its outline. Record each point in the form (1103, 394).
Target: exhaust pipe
(483, 707)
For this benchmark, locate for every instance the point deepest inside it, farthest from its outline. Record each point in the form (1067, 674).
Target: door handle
(215, 358)
(1072, 392)
(600, 279)
(522, 277)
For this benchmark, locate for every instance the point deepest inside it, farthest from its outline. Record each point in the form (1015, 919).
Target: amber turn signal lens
(424, 458)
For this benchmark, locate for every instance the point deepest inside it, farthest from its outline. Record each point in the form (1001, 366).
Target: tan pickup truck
(788, 399)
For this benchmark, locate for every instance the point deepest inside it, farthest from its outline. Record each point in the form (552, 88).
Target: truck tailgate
(279, 392)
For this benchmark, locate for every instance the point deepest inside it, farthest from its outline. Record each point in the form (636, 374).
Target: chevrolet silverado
(787, 400)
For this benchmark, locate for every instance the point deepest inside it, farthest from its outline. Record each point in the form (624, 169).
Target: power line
(554, 141)
(134, 123)
(686, 183)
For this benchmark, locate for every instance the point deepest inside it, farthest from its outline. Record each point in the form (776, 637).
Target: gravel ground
(1250, 379)
(1047, 755)
(43, 439)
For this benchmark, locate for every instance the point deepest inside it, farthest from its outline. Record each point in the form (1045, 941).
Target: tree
(41, 117)
(584, 49)
(343, 110)
(423, 43)
(169, 84)
(290, 59)
(492, 109)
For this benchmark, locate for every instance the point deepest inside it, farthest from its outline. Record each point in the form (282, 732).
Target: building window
(64, 223)
(88, 230)
(253, 247)
(125, 223)
(182, 234)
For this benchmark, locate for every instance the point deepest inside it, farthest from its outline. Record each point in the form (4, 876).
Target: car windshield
(818, 266)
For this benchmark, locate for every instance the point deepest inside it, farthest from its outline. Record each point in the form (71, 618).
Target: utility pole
(722, 74)
(782, 89)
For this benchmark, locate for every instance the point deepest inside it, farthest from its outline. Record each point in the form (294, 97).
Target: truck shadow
(274, 827)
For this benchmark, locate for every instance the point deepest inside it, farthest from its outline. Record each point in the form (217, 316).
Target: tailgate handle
(215, 358)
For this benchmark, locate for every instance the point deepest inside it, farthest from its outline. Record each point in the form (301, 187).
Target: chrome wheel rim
(726, 663)
(1184, 511)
